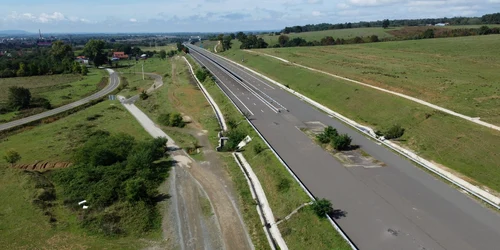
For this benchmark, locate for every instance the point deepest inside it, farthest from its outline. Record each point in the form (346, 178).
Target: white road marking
(262, 111)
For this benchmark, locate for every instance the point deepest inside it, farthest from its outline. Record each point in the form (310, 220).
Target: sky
(127, 16)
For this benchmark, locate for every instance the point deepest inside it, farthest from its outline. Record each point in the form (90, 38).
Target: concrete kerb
(451, 112)
(332, 222)
(265, 221)
(468, 187)
(215, 107)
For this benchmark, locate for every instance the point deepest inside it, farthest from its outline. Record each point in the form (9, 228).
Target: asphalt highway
(114, 82)
(398, 206)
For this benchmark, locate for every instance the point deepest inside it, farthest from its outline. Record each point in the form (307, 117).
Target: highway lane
(114, 82)
(395, 207)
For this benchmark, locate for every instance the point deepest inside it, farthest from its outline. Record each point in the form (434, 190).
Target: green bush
(144, 95)
(235, 137)
(19, 98)
(164, 119)
(258, 148)
(328, 134)
(171, 120)
(341, 142)
(201, 74)
(40, 102)
(176, 120)
(338, 142)
(322, 207)
(394, 132)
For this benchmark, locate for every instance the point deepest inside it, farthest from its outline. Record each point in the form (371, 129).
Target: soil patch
(43, 165)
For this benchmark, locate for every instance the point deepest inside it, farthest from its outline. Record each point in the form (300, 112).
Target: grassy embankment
(468, 149)
(304, 230)
(25, 226)
(58, 89)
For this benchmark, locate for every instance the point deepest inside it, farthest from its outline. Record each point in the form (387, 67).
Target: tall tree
(226, 42)
(19, 98)
(60, 50)
(283, 40)
(94, 50)
(163, 54)
(385, 23)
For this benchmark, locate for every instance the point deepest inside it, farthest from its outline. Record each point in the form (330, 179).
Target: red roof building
(120, 55)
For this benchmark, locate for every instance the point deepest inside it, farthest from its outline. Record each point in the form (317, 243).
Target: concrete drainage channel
(462, 184)
(270, 228)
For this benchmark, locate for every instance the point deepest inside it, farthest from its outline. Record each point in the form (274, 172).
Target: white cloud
(133, 20)
(374, 2)
(316, 13)
(56, 16)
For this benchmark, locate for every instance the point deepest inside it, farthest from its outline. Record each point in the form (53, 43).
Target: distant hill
(14, 32)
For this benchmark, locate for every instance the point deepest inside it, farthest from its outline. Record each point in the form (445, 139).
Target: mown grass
(341, 34)
(306, 232)
(24, 226)
(56, 141)
(469, 149)
(457, 73)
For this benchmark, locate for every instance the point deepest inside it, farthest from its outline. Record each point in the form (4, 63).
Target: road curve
(114, 82)
(398, 206)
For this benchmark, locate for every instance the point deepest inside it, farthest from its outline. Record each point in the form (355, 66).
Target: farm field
(342, 33)
(465, 148)
(460, 74)
(167, 47)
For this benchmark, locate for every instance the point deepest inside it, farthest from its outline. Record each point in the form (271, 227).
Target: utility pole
(143, 70)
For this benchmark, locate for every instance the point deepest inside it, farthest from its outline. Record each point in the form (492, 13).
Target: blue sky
(218, 15)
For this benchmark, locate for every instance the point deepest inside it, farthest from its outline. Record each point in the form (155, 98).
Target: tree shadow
(161, 197)
(338, 213)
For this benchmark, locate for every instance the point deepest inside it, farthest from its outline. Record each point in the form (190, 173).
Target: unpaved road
(202, 209)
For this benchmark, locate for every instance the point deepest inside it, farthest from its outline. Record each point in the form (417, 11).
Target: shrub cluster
(338, 141)
(171, 120)
(110, 172)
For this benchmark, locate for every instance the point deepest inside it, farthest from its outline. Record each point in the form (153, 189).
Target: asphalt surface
(114, 82)
(398, 206)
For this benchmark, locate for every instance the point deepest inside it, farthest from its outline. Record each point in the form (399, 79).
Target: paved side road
(114, 82)
(397, 206)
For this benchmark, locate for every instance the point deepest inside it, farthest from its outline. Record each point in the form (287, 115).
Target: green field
(167, 48)
(58, 89)
(464, 147)
(341, 33)
(460, 74)
(55, 141)
(25, 226)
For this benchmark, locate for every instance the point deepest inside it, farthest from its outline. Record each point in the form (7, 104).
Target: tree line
(485, 19)
(286, 41)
